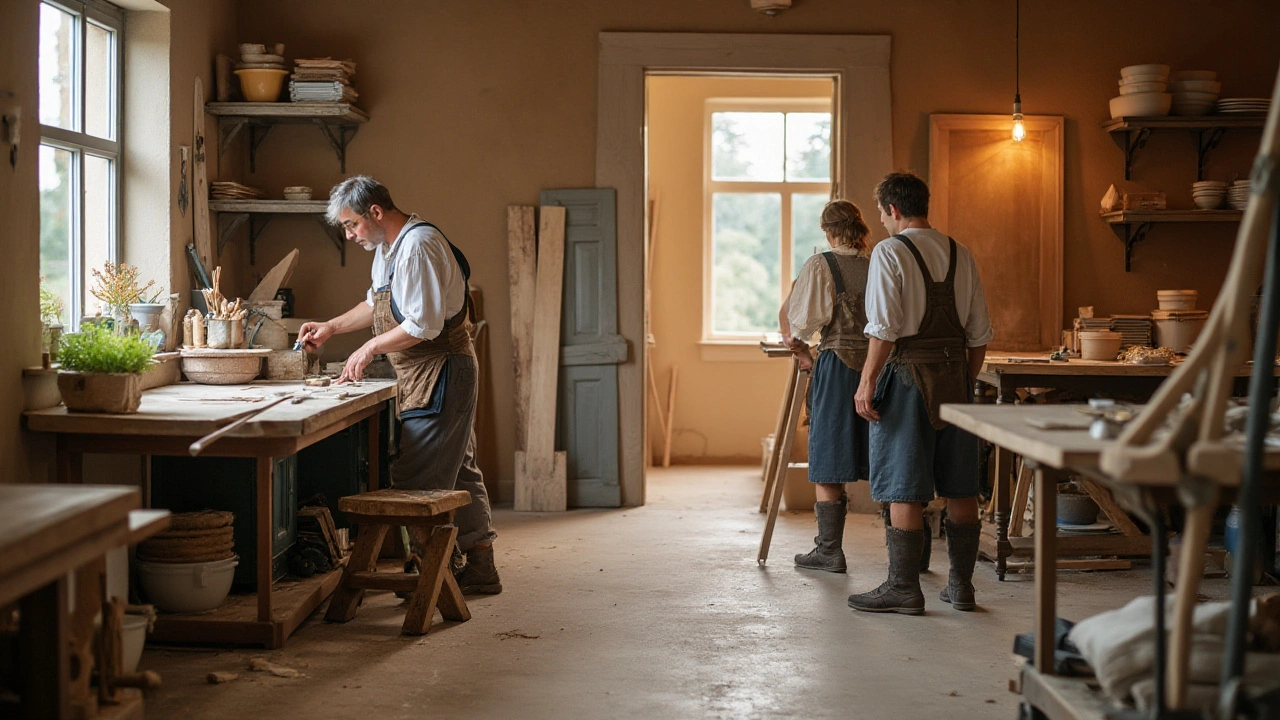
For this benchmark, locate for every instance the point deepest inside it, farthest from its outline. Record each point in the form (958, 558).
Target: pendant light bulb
(1019, 130)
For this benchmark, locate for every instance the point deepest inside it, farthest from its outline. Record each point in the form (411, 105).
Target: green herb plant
(96, 349)
(50, 305)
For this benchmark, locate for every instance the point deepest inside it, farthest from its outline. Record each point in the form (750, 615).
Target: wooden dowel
(671, 416)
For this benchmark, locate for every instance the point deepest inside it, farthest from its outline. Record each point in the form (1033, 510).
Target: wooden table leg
(1046, 566)
(266, 491)
(375, 452)
(780, 473)
(437, 545)
(1004, 471)
(784, 412)
(45, 674)
(70, 463)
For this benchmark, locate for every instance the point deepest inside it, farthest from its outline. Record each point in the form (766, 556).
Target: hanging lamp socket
(1019, 130)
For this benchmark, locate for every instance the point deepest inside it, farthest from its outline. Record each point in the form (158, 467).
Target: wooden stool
(428, 514)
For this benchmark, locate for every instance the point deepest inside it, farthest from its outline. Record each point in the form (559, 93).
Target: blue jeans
(910, 460)
(837, 434)
(437, 452)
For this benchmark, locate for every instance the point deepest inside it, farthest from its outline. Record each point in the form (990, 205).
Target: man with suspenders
(928, 328)
(418, 306)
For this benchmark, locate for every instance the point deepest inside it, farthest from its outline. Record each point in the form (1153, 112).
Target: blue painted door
(591, 349)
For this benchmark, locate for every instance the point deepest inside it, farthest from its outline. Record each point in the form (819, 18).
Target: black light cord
(1017, 55)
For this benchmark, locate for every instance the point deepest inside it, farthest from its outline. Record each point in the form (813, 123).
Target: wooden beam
(521, 277)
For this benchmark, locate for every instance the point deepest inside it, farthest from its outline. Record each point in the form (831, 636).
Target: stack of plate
(1243, 106)
(1208, 194)
(1238, 195)
(1194, 91)
(1133, 329)
(1091, 324)
(254, 56)
(1142, 92)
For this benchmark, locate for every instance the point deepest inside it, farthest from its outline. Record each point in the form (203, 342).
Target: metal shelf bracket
(338, 141)
(1130, 234)
(1203, 146)
(336, 236)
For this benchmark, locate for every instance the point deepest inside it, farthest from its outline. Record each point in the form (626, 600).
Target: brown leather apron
(937, 355)
(843, 334)
(418, 366)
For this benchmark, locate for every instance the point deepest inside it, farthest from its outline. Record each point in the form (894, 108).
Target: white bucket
(1177, 299)
(133, 636)
(1178, 329)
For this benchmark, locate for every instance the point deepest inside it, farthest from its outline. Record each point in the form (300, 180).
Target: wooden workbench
(171, 418)
(1054, 453)
(48, 533)
(1103, 378)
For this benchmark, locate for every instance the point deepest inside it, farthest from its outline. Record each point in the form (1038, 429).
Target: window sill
(732, 351)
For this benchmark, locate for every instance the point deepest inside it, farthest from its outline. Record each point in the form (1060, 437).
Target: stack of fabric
(322, 80)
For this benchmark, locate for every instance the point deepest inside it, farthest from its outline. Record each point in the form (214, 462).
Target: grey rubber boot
(962, 547)
(828, 553)
(900, 593)
(479, 576)
(926, 549)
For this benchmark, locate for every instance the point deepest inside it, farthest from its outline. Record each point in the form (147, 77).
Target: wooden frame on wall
(860, 66)
(1003, 200)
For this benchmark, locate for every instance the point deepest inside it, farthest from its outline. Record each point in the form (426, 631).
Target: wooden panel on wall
(1003, 200)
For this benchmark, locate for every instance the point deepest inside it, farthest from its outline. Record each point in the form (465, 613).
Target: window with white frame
(767, 176)
(81, 43)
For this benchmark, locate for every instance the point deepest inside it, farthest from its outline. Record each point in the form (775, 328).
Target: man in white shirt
(928, 329)
(417, 305)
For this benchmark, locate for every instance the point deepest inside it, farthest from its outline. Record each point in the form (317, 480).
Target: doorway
(739, 168)
(859, 65)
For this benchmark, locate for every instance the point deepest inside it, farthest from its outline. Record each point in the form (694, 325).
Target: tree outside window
(767, 177)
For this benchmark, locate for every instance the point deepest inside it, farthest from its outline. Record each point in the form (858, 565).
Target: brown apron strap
(836, 276)
(951, 264)
(928, 279)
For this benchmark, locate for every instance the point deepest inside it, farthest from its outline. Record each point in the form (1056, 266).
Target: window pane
(57, 221)
(745, 258)
(98, 203)
(809, 147)
(746, 146)
(57, 67)
(807, 236)
(99, 69)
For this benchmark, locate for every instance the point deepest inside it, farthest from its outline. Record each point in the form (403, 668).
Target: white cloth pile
(322, 80)
(1119, 645)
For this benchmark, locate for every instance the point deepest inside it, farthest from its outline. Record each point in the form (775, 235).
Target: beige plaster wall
(479, 105)
(723, 407)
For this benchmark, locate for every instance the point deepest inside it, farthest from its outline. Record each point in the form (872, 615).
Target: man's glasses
(350, 225)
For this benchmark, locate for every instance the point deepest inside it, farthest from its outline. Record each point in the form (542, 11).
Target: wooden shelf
(338, 122)
(259, 213)
(1131, 226)
(1131, 133)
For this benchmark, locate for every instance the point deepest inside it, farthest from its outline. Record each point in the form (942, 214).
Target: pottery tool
(199, 446)
(316, 381)
(200, 181)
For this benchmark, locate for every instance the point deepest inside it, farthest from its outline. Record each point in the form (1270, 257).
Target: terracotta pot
(100, 392)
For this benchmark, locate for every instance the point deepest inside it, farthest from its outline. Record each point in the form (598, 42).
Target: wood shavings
(264, 665)
(1143, 355)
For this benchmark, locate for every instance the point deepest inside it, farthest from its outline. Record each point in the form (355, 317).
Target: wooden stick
(198, 446)
(1018, 509)
(657, 400)
(1195, 538)
(787, 441)
(671, 416)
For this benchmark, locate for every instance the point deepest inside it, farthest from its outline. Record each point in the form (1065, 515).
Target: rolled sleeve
(977, 326)
(884, 295)
(420, 294)
(368, 296)
(812, 301)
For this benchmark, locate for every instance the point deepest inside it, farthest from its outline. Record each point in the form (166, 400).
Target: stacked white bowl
(1194, 91)
(1238, 195)
(1142, 92)
(1208, 194)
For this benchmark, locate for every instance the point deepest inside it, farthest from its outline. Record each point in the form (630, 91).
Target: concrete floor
(653, 612)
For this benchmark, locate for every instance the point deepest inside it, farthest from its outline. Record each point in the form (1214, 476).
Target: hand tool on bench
(199, 446)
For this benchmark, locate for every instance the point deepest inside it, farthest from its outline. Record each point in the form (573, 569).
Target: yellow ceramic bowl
(261, 85)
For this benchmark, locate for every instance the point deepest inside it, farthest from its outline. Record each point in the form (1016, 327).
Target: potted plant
(117, 286)
(50, 320)
(101, 370)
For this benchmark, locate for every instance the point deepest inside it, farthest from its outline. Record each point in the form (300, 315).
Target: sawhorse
(784, 439)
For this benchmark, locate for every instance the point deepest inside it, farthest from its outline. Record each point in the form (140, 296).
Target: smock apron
(436, 395)
(838, 450)
(914, 454)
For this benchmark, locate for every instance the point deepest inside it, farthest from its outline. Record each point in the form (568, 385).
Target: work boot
(828, 554)
(962, 547)
(901, 592)
(926, 550)
(479, 576)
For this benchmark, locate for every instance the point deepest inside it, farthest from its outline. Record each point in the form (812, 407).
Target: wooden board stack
(322, 80)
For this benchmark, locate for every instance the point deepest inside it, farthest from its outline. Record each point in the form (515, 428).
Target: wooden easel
(783, 442)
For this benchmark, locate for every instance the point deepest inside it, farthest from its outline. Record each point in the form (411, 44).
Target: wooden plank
(613, 350)
(394, 503)
(275, 278)
(300, 207)
(1018, 508)
(1107, 503)
(540, 482)
(521, 279)
(785, 443)
(1046, 556)
(1195, 539)
(1065, 698)
(1179, 216)
(305, 112)
(200, 181)
(671, 416)
(1185, 123)
(1078, 564)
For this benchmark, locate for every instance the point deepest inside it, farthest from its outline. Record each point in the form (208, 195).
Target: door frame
(858, 63)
